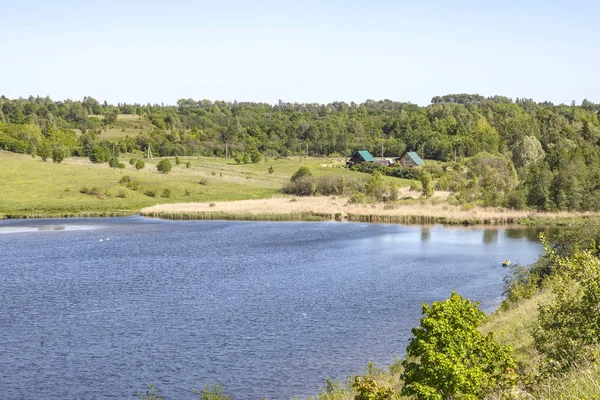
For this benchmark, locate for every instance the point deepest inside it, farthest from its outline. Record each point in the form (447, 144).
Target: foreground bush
(450, 358)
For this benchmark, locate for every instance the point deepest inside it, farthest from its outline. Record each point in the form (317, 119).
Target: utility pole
(226, 155)
(381, 151)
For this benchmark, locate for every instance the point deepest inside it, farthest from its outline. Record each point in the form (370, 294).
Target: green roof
(366, 155)
(415, 157)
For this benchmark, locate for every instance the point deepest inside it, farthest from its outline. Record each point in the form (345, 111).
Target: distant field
(31, 186)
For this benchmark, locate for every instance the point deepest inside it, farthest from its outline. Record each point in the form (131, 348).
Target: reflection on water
(101, 307)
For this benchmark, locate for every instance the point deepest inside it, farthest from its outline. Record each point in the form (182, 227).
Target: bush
(58, 154)
(114, 163)
(98, 155)
(357, 198)
(132, 161)
(302, 186)
(569, 326)
(122, 194)
(448, 357)
(166, 193)
(188, 164)
(271, 170)
(125, 179)
(177, 160)
(164, 166)
(134, 185)
(302, 172)
(150, 192)
(139, 164)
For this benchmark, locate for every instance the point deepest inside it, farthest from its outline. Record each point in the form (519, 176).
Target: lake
(99, 308)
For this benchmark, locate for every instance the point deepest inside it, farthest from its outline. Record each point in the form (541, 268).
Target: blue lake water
(99, 308)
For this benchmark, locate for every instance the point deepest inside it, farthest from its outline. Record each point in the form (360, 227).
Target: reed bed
(229, 216)
(429, 219)
(84, 214)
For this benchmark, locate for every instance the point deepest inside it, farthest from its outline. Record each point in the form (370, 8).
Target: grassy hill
(31, 186)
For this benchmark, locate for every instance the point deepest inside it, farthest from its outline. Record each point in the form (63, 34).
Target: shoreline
(330, 209)
(338, 209)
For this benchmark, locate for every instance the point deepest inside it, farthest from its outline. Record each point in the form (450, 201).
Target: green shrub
(122, 194)
(369, 389)
(188, 164)
(357, 198)
(214, 393)
(125, 179)
(132, 161)
(302, 172)
(448, 357)
(150, 192)
(139, 164)
(134, 185)
(569, 326)
(177, 160)
(164, 166)
(166, 193)
(58, 154)
(271, 169)
(426, 185)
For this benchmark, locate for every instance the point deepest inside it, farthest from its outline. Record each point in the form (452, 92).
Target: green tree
(449, 358)
(426, 184)
(376, 187)
(44, 150)
(58, 154)
(164, 166)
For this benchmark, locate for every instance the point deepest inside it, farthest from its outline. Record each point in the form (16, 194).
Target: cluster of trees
(554, 150)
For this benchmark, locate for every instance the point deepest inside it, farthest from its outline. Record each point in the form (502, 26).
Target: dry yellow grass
(338, 205)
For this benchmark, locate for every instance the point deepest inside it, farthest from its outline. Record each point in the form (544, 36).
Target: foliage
(58, 154)
(448, 357)
(302, 172)
(569, 326)
(164, 166)
(426, 184)
(151, 394)
(369, 389)
(271, 170)
(212, 393)
(140, 164)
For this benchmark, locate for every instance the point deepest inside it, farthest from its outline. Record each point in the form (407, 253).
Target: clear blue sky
(299, 51)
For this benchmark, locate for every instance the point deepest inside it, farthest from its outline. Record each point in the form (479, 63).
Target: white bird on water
(304, 314)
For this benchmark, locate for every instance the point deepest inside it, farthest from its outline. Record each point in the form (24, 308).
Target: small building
(359, 157)
(386, 162)
(410, 160)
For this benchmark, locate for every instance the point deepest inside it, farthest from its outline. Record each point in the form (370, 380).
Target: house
(410, 160)
(360, 156)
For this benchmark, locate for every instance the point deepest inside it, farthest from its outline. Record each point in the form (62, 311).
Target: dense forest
(495, 151)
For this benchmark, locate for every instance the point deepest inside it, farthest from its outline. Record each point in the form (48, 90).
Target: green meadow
(30, 186)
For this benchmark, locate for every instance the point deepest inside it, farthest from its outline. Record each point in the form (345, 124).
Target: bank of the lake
(102, 307)
(339, 209)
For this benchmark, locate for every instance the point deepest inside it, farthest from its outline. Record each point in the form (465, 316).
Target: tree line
(548, 154)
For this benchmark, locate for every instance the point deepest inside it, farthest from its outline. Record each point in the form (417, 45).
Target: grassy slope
(31, 186)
